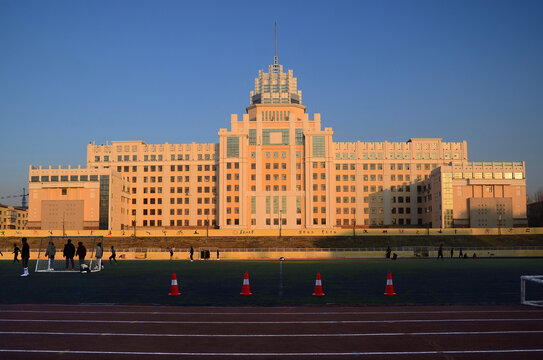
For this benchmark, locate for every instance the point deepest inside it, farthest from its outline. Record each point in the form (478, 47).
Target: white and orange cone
(174, 290)
(318, 286)
(245, 290)
(390, 288)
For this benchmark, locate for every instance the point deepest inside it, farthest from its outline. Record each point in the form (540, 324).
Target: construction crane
(24, 203)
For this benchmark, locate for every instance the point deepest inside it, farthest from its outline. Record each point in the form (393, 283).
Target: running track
(159, 332)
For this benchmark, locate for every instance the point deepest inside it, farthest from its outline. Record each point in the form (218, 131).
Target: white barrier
(538, 279)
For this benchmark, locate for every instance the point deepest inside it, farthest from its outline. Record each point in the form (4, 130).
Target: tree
(537, 196)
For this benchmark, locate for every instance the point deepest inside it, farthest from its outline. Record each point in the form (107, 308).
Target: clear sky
(72, 72)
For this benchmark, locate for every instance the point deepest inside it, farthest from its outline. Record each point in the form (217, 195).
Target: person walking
(69, 253)
(113, 255)
(440, 252)
(218, 254)
(387, 255)
(452, 252)
(460, 255)
(25, 256)
(81, 253)
(99, 253)
(191, 252)
(16, 252)
(50, 252)
(171, 253)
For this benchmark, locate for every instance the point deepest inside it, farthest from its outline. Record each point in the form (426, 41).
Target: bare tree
(538, 195)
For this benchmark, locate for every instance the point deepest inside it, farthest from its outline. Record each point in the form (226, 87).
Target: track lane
(515, 333)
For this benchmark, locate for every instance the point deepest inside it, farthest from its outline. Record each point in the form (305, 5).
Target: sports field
(218, 283)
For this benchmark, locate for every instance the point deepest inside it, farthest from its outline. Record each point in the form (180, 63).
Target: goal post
(43, 263)
(535, 279)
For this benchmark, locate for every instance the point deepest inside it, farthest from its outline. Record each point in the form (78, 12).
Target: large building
(77, 199)
(477, 195)
(13, 217)
(277, 167)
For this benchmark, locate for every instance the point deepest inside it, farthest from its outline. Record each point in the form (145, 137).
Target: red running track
(159, 332)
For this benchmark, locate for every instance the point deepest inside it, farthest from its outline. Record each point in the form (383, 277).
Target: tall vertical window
(103, 218)
(299, 136)
(253, 204)
(276, 204)
(318, 146)
(232, 147)
(252, 136)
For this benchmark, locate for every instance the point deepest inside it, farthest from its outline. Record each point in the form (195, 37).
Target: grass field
(218, 283)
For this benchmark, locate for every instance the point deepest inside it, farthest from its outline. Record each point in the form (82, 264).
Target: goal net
(56, 244)
(533, 282)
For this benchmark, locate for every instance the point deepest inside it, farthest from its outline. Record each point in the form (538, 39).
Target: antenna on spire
(275, 64)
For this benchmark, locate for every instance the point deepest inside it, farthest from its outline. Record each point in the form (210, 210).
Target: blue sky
(173, 71)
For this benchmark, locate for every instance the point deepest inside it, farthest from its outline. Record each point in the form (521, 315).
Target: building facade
(475, 194)
(13, 217)
(276, 167)
(77, 199)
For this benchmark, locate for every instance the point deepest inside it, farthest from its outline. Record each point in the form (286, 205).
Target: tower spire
(275, 64)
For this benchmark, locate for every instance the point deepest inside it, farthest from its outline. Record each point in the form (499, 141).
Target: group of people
(69, 253)
(460, 254)
(204, 254)
(388, 252)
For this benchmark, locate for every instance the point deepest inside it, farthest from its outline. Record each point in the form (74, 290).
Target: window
(319, 147)
(232, 147)
(299, 137)
(252, 136)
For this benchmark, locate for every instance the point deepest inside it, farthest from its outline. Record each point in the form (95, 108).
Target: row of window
(488, 175)
(186, 157)
(121, 158)
(186, 223)
(63, 178)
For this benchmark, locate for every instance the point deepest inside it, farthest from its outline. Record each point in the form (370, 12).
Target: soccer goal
(535, 279)
(44, 263)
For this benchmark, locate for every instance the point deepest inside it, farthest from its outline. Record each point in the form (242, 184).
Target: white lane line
(352, 353)
(271, 313)
(447, 333)
(263, 322)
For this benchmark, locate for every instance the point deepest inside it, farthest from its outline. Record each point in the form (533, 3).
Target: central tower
(274, 161)
(276, 86)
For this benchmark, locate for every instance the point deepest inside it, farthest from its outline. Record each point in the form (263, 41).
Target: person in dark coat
(16, 252)
(113, 255)
(191, 251)
(25, 256)
(440, 252)
(81, 252)
(69, 253)
(387, 255)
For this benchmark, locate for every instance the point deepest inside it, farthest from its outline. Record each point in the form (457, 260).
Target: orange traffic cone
(174, 290)
(245, 289)
(318, 286)
(390, 288)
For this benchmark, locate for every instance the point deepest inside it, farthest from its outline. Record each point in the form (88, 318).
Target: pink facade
(276, 167)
